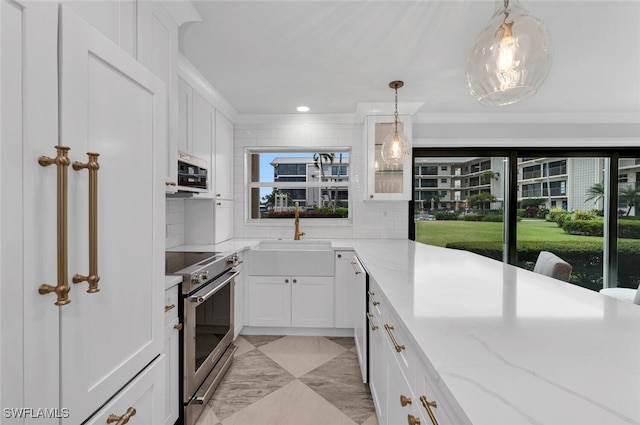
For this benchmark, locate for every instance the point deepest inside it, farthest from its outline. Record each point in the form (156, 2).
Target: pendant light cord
(395, 115)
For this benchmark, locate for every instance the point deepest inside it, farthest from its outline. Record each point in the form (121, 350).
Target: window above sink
(318, 180)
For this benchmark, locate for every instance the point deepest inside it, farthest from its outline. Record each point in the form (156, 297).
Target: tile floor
(292, 380)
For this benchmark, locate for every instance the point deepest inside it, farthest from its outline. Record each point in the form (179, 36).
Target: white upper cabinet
(115, 19)
(224, 158)
(158, 51)
(185, 116)
(386, 182)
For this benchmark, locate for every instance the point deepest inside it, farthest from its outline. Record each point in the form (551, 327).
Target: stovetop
(176, 261)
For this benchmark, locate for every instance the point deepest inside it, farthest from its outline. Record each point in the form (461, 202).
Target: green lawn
(440, 233)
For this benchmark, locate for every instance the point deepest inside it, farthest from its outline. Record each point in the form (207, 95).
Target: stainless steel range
(207, 315)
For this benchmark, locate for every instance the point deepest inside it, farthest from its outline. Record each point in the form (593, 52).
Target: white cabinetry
(206, 133)
(185, 115)
(386, 182)
(224, 158)
(239, 296)
(348, 279)
(399, 376)
(223, 220)
(377, 352)
(172, 327)
(196, 124)
(81, 354)
(297, 301)
(141, 400)
(158, 51)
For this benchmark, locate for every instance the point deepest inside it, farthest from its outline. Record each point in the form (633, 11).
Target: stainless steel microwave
(193, 173)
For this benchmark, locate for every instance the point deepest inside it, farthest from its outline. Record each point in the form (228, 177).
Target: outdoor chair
(551, 265)
(624, 294)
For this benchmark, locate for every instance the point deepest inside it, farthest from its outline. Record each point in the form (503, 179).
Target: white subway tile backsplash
(368, 218)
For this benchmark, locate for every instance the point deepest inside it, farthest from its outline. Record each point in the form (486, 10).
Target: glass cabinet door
(386, 181)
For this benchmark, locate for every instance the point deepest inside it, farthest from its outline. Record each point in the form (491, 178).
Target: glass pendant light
(395, 148)
(511, 57)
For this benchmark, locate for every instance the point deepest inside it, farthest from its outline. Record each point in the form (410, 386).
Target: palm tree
(631, 195)
(595, 193)
(319, 159)
(490, 175)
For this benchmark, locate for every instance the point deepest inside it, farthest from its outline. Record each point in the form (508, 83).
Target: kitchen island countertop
(510, 346)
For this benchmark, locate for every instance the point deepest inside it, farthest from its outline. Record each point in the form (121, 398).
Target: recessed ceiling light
(302, 109)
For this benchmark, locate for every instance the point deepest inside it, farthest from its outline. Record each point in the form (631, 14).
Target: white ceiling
(267, 57)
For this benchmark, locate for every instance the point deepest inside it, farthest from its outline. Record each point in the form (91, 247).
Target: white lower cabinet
(402, 406)
(239, 296)
(141, 400)
(172, 327)
(434, 404)
(398, 376)
(285, 301)
(378, 364)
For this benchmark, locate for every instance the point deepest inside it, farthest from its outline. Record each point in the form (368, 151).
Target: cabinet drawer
(402, 348)
(377, 305)
(171, 299)
(145, 394)
(430, 390)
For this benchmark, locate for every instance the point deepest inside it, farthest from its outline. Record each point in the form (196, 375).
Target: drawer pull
(373, 327)
(412, 420)
(374, 302)
(428, 405)
(399, 347)
(169, 307)
(371, 293)
(405, 400)
(121, 420)
(178, 326)
(355, 268)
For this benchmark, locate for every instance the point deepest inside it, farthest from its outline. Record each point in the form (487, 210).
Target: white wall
(369, 219)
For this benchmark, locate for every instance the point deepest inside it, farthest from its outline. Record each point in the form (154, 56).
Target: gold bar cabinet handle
(355, 269)
(398, 347)
(61, 161)
(428, 405)
(92, 278)
(122, 420)
(169, 307)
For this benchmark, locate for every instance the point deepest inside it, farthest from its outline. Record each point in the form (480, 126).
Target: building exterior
(449, 183)
(304, 169)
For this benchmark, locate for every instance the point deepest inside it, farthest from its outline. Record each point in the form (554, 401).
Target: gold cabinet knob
(121, 420)
(412, 420)
(405, 400)
(178, 326)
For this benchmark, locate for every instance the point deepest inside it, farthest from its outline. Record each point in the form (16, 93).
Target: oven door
(208, 329)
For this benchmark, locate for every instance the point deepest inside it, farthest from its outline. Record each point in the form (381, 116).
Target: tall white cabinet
(204, 131)
(98, 99)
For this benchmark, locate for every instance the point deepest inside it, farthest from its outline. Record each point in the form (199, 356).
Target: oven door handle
(203, 295)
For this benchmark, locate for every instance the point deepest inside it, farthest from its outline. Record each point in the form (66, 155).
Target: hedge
(627, 229)
(585, 258)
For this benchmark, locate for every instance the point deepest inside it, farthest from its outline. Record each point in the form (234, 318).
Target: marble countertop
(511, 346)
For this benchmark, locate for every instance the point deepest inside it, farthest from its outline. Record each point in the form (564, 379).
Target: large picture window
(511, 204)
(317, 181)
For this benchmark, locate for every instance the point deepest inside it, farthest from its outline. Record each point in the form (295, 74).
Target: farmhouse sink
(291, 258)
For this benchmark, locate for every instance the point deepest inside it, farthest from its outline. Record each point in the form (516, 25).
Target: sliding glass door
(511, 204)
